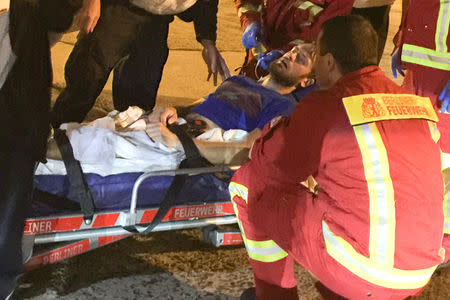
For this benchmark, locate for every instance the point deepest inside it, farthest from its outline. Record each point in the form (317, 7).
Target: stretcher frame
(75, 235)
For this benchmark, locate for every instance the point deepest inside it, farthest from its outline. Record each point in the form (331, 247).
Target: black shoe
(249, 294)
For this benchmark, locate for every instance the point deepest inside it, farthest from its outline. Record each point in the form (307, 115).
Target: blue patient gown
(241, 103)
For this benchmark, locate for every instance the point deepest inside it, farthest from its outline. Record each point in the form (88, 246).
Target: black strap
(76, 177)
(193, 160)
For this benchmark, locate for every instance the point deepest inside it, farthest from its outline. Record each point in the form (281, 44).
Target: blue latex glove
(252, 35)
(395, 66)
(265, 59)
(445, 97)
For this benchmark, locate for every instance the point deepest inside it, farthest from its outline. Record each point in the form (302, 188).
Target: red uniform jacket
(288, 20)
(400, 165)
(425, 34)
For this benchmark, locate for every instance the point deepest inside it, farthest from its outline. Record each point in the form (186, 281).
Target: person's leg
(15, 201)
(379, 18)
(93, 58)
(282, 223)
(273, 268)
(137, 78)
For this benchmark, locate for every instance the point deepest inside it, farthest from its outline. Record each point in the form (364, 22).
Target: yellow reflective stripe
(297, 42)
(445, 158)
(304, 5)
(368, 269)
(264, 251)
(381, 194)
(239, 190)
(316, 10)
(248, 7)
(426, 57)
(442, 25)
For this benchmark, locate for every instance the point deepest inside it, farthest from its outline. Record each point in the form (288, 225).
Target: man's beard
(281, 76)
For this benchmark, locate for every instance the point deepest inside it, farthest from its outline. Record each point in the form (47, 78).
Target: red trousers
(294, 223)
(429, 82)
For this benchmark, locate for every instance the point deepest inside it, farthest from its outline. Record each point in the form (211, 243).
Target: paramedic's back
(374, 225)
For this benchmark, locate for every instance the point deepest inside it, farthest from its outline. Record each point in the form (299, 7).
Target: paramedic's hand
(214, 61)
(87, 17)
(252, 36)
(445, 97)
(158, 132)
(265, 59)
(396, 64)
(165, 116)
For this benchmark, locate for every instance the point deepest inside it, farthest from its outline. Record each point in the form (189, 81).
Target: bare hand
(165, 116)
(158, 132)
(214, 61)
(87, 17)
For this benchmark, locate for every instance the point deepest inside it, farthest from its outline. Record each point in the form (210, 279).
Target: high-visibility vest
(379, 267)
(425, 34)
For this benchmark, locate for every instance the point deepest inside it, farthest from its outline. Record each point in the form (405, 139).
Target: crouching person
(368, 229)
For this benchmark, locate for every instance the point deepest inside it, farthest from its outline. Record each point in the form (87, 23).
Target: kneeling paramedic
(373, 224)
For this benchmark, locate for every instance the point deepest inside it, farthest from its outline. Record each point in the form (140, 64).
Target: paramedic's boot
(248, 294)
(270, 292)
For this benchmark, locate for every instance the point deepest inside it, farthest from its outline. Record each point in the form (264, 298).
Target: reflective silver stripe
(239, 190)
(447, 225)
(364, 268)
(249, 8)
(381, 194)
(264, 251)
(381, 200)
(442, 26)
(426, 57)
(297, 42)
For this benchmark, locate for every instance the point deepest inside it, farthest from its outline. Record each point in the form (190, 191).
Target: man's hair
(351, 40)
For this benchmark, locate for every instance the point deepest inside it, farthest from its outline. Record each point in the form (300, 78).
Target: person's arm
(87, 17)
(214, 152)
(204, 16)
(318, 15)
(222, 153)
(398, 37)
(396, 62)
(249, 11)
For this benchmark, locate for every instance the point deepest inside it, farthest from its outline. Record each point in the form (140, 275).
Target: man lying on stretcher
(239, 104)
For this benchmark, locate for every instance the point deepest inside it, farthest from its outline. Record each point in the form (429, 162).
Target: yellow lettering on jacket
(368, 108)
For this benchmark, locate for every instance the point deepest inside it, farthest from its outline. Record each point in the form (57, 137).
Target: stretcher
(124, 205)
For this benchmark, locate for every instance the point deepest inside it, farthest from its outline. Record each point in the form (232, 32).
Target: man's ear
(304, 82)
(330, 61)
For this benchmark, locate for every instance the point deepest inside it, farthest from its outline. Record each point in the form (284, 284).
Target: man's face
(294, 66)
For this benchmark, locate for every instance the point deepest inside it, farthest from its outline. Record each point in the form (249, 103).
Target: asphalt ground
(174, 265)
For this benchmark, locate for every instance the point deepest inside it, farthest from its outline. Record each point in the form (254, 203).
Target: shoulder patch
(379, 107)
